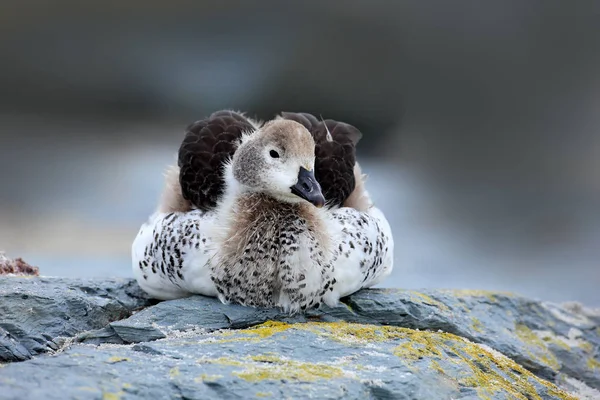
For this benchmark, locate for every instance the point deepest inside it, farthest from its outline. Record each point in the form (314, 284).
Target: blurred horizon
(480, 124)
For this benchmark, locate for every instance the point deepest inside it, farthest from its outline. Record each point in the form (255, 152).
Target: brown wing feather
(335, 156)
(207, 145)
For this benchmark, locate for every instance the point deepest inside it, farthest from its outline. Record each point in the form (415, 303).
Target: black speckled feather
(335, 156)
(208, 143)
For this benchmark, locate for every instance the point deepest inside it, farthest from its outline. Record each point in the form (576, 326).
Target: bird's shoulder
(207, 145)
(335, 154)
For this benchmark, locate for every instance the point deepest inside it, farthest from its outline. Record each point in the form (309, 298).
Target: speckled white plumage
(168, 267)
(265, 249)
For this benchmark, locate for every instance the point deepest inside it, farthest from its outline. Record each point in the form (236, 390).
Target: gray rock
(36, 312)
(378, 343)
(325, 360)
(547, 339)
(11, 349)
(198, 312)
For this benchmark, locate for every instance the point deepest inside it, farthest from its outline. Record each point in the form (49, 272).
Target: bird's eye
(274, 154)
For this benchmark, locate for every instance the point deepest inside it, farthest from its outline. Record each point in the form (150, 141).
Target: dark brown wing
(207, 145)
(335, 154)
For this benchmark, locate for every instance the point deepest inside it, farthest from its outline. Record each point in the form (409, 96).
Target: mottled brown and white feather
(259, 244)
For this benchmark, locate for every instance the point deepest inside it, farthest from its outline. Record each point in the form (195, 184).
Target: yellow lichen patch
(112, 395)
(550, 337)
(586, 346)
(536, 347)
(264, 394)
(488, 373)
(360, 333)
(348, 306)
(342, 331)
(267, 329)
(116, 359)
(592, 363)
(448, 380)
(416, 348)
(436, 367)
(476, 325)
(269, 367)
(425, 299)
(174, 372)
(207, 378)
(274, 368)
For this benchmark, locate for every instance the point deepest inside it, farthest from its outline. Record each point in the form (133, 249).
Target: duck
(272, 214)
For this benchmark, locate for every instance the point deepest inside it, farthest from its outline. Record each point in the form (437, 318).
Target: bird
(272, 214)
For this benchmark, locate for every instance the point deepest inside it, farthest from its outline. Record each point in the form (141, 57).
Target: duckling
(263, 230)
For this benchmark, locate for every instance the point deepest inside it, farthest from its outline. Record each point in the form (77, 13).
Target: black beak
(308, 188)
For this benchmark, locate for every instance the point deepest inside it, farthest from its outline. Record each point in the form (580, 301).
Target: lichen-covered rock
(36, 312)
(304, 360)
(378, 343)
(543, 337)
(204, 313)
(547, 339)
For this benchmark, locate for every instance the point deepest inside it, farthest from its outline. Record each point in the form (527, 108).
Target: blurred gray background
(480, 120)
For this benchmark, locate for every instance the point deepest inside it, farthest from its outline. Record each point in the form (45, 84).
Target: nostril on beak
(308, 188)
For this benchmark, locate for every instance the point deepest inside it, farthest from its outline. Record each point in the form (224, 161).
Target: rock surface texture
(37, 315)
(379, 344)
